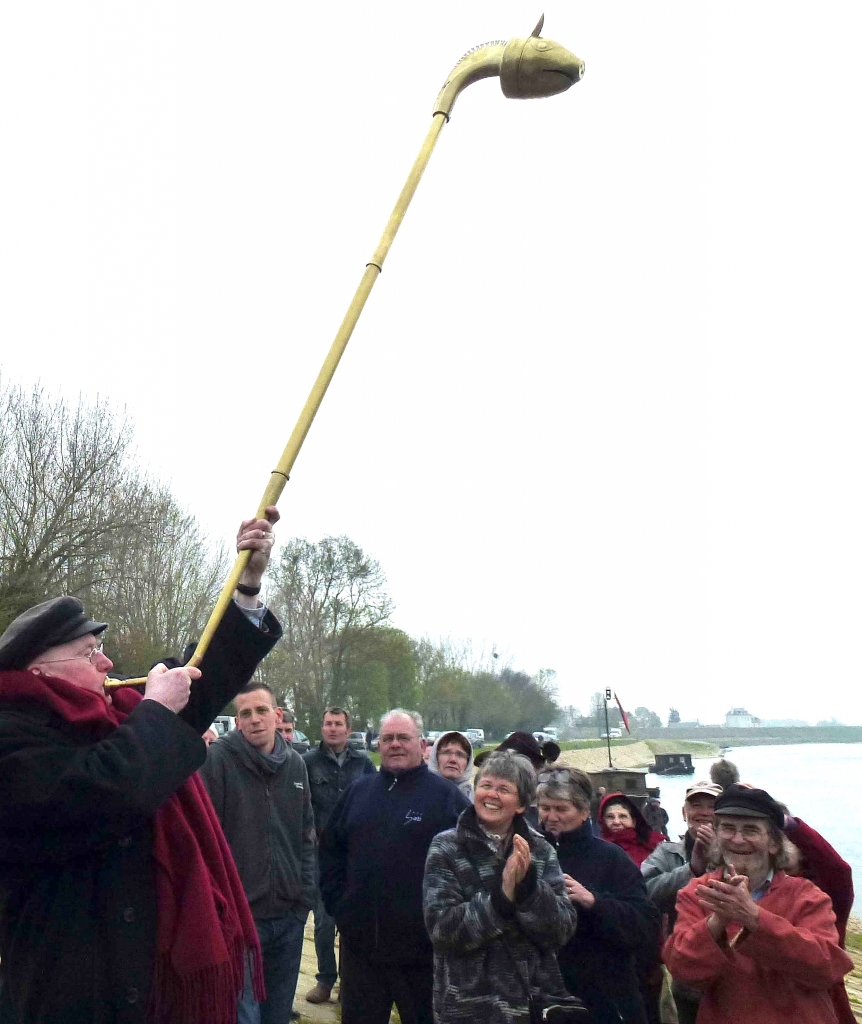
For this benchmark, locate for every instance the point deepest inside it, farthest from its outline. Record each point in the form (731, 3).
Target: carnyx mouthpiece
(528, 68)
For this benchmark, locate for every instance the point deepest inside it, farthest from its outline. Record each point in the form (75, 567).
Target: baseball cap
(703, 787)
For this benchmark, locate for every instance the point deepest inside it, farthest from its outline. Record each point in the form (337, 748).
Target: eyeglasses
(727, 830)
(81, 657)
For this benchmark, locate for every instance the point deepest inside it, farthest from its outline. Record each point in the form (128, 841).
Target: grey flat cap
(45, 625)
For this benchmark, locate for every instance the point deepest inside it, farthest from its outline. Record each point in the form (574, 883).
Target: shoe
(319, 994)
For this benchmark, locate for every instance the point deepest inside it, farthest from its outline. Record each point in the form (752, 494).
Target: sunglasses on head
(556, 775)
(564, 776)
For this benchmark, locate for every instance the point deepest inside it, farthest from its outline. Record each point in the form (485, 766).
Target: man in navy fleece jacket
(372, 861)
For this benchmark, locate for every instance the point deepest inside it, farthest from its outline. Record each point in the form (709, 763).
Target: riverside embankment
(632, 753)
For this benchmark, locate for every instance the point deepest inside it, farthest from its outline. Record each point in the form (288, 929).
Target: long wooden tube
(281, 473)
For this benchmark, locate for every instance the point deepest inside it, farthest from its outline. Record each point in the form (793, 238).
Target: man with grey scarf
(259, 788)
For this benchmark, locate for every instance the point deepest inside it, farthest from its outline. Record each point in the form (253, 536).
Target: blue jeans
(281, 946)
(324, 944)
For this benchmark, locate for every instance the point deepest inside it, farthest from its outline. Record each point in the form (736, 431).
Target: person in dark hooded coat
(615, 916)
(623, 825)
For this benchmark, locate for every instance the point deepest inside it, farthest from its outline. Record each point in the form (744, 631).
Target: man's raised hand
(170, 687)
(256, 535)
(705, 838)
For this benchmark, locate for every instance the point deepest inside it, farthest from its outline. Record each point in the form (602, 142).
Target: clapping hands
(729, 901)
(516, 867)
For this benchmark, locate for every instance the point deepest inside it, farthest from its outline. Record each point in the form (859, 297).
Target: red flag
(625, 716)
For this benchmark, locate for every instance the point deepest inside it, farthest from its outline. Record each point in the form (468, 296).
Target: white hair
(414, 715)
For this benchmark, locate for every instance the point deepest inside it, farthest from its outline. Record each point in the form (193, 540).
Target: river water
(819, 782)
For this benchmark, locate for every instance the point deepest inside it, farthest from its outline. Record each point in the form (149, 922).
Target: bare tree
(325, 595)
(78, 517)
(161, 586)
(66, 485)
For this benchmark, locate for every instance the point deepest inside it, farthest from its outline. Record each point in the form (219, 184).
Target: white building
(739, 718)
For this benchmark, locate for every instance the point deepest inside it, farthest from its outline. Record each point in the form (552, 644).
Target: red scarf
(204, 924)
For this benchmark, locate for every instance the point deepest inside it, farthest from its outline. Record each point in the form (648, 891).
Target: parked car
(476, 737)
(300, 743)
(432, 737)
(356, 741)
(614, 734)
(223, 724)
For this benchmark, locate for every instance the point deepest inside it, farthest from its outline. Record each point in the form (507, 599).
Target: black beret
(43, 626)
(749, 803)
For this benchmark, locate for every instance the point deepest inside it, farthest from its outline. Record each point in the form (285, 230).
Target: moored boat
(672, 764)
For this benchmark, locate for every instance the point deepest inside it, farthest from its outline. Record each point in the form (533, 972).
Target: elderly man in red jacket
(760, 944)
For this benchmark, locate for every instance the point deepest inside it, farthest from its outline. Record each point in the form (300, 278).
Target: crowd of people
(151, 871)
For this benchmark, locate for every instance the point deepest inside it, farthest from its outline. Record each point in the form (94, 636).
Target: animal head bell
(535, 67)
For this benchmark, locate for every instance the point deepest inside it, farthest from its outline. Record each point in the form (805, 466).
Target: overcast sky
(603, 407)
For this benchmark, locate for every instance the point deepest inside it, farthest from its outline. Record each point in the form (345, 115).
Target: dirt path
(325, 1013)
(854, 979)
(328, 1012)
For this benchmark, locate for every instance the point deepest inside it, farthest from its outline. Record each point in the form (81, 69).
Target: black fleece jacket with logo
(372, 860)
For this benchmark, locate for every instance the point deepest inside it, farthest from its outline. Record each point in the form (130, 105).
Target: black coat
(598, 962)
(372, 860)
(329, 779)
(265, 811)
(77, 877)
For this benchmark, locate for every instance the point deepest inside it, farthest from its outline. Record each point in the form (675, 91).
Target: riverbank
(762, 736)
(632, 754)
(854, 979)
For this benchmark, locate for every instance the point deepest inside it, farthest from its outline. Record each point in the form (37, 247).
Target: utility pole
(608, 727)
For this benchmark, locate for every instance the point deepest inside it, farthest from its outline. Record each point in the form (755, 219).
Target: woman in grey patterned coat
(495, 898)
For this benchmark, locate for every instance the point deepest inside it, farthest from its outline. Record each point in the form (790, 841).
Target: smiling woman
(495, 900)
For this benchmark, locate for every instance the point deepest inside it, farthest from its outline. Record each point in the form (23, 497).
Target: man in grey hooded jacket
(452, 757)
(259, 788)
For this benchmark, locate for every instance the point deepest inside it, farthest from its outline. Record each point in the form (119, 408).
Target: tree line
(79, 516)
(340, 647)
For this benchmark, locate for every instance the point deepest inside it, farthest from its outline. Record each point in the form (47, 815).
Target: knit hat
(708, 788)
